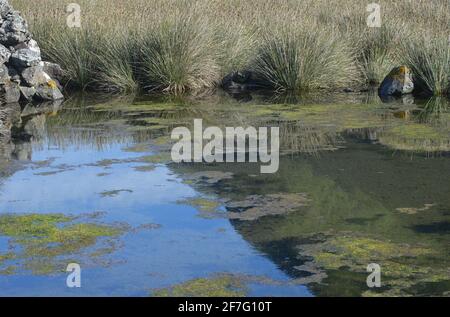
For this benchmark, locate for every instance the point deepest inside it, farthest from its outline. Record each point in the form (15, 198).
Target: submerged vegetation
(221, 285)
(43, 243)
(191, 45)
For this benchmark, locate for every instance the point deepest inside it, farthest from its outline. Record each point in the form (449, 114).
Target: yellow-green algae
(403, 266)
(204, 205)
(39, 242)
(220, 285)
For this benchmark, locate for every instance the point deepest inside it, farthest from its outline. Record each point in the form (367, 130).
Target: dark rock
(239, 81)
(10, 92)
(398, 82)
(14, 74)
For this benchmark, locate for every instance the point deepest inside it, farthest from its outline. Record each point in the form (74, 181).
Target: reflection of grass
(417, 137)
(42, 242)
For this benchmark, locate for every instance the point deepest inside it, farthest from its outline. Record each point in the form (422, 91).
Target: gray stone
(53, 70)
(4, 74)
(49, 91)
(14, 29)
(398, 82)
(5, 8)
(35, 76)
(5, 54)
(10, 92)
(26, 57)
(27, 93)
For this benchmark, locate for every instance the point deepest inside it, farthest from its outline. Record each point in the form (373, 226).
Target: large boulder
(398, 82)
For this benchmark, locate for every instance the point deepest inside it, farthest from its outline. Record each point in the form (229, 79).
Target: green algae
(220, 285)
(144, 168)
(40, 242)
(208, 208)
(402, 265)
(159, 158)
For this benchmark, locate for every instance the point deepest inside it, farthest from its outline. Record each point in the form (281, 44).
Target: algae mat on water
(46, 243)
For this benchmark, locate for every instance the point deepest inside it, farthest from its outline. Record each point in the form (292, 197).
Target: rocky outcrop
(23, 74)
(398, 82)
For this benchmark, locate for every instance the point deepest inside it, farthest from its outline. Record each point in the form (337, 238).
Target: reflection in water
(345, 196)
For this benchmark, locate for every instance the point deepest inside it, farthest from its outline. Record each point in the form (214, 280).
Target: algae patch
(220, 285)
(44, 243)
(403, 266)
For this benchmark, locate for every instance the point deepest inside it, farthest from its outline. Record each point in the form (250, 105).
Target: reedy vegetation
(295, 45)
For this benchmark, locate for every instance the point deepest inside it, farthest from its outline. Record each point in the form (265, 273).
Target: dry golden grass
(230, 35)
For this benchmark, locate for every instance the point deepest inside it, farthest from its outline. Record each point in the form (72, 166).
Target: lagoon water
(360, 182)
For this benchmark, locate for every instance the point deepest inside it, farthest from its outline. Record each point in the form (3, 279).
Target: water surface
(360, 182)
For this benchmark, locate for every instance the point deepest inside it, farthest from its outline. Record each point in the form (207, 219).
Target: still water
(90, 181)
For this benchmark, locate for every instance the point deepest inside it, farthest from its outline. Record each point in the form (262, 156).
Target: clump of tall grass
(293, 60)
(180, 55)
(116, 65)
(75, 50)
(429, 59)
(189, 45)
(378, 52)
(236, 47)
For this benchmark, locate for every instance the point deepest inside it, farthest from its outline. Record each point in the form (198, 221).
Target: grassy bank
(297, 45)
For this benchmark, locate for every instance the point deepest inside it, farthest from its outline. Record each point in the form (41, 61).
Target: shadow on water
(360, 181)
